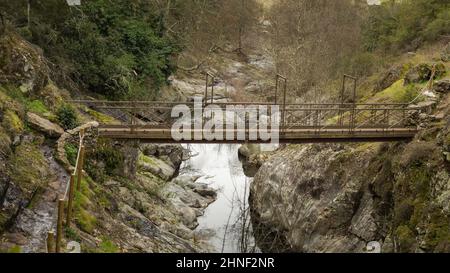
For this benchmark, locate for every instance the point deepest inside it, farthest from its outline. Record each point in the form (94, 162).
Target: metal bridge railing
(349, 116)
(345, 116)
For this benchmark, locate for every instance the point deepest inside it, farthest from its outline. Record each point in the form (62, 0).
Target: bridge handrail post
(284, 107)
(70, 202)
(212, 90)
(276, 89)
(51, 242)
(59, 225)
(80, 167)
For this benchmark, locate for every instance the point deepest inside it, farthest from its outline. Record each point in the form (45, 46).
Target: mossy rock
(52, 96)
(12, 123)
(6, 102)
(29, 168)
(423, 72)
(23, 64)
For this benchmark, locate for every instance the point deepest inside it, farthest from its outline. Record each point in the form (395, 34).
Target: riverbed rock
(45, 126)
(205, 191)
(248, 150)
(189, 217)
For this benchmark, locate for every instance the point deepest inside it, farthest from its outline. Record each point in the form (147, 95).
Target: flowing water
(227, 220)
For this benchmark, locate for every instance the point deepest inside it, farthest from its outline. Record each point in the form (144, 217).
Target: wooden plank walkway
(296, 135)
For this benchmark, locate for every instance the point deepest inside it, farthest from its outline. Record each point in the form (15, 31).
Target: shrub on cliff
(67, 117)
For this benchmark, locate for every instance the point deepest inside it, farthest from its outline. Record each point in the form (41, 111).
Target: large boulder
(247, 150)
(442, 86)
(423, 72)
(156, 167)
(189, 217)
(45, 126)
(172, 154)
(313, 198)
(204, 190)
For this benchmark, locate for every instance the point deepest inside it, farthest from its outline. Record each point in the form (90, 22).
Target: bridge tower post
(283, 110)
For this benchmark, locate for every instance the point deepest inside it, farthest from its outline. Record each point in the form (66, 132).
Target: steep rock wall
(337, 198)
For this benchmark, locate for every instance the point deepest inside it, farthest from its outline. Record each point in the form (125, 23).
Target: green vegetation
(103, 161)
(12, 123)
(17, 101)
(107, 246)
(15, 249)
(36, 106)
(405, 25)
(115, 48)
(67, 117)
(397, 93)
(71, 153)
(83, 218)
(71, 234)
(100, 117)
(414, 206)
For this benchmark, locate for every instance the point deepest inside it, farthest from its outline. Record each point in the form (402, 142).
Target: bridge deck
(296, 135)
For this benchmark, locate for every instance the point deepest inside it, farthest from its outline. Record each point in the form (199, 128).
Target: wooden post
(50, 242)
(283, 118)
(212, 90)
(59, 227)
(70, 203)
(80, 168)
(205, 99)
(276, 89)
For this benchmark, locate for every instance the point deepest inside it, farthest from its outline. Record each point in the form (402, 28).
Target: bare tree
(311, 39)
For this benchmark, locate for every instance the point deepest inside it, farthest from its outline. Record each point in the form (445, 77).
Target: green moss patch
(82, 204)
(397, 93)
(107, 246)
(37, 107)
(12, 123)
(30, 169)
(71, 153)
(100, 117)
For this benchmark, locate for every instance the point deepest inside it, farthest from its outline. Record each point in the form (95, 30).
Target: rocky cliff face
(338, 198)
(129, 201)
